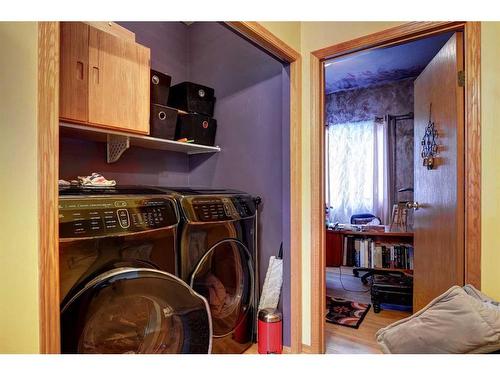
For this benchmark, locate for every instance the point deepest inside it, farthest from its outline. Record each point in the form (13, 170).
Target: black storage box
(392, 289)
(197, 127)
(159, 87)
(162, 121)
(192, 98)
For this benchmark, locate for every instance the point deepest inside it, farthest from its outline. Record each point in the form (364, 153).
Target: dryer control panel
(105, 216)
(218, 208)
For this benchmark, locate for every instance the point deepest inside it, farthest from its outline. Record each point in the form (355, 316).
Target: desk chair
(361, 219)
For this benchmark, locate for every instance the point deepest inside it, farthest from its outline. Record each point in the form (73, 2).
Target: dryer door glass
(224, 276)
(136, 311)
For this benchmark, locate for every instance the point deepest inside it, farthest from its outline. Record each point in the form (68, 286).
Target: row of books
(359, 252)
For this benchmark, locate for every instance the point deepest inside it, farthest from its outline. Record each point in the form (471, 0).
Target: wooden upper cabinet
(73, 98)
(117, 82)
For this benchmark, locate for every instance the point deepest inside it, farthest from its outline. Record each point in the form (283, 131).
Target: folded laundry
(64, 183)
(68, 183)
(95, 179)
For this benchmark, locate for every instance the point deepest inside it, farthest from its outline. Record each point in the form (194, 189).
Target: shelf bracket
(116, 146)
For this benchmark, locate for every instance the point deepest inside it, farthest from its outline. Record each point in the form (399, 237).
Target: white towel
(272, 284)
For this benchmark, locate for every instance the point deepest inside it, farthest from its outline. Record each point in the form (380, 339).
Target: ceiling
(381, 65)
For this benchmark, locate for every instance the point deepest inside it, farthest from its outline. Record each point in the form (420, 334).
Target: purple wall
(137, 166)
(285, 213)
(252, 129)
(252, 111)
(169, 44)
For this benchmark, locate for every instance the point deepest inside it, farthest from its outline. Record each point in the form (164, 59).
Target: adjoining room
(372, 158)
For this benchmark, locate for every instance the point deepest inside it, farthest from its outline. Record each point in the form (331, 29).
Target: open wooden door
(439, 219)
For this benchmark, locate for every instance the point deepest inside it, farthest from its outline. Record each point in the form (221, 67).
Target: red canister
(270, 330)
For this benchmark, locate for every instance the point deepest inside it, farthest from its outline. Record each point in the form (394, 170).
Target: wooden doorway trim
(272, 44)
(48, 172)
(396, 35)
(48, 165)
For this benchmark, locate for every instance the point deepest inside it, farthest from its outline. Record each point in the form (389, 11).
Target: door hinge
(461, 78)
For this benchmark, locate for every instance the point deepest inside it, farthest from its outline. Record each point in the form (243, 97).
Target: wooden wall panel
(473, 153)
(318, 277)
(118, 83)
(48, 149)
(113, 29)
(267, 40)
(439, 224)
(74, 71)
(296, 206)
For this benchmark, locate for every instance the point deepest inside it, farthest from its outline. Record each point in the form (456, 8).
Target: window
(356, 170)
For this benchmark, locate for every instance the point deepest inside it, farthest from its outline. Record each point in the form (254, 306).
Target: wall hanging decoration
(429, 145)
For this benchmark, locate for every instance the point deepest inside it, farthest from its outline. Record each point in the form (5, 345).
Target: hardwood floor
(345, 340)
(252, 350)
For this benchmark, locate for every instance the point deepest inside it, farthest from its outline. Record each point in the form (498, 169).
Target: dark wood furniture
(334, 243)
(393, 290)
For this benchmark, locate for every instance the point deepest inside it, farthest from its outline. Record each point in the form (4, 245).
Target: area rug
(345, 313)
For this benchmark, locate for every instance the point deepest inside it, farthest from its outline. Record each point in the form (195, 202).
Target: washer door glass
(224, 276)
(134, 310)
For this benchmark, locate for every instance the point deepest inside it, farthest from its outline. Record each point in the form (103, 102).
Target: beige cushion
(477, 294)
(454, 322)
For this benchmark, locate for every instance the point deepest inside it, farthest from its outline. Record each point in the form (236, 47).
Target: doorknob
(413, 205)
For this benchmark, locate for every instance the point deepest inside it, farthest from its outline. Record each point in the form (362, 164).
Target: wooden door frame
(405, 32)
(48, 172)
(48, 194)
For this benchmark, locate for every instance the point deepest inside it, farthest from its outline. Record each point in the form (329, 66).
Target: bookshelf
(336, 243)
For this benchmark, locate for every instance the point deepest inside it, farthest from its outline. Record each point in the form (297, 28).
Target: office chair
(363, 219)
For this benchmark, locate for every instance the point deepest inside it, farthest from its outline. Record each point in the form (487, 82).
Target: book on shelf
(367, 253)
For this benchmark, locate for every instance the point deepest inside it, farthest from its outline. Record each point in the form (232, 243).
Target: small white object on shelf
(118, 142)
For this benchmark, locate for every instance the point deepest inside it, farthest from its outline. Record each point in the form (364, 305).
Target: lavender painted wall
(252, 129)
(252, 111)
(137, 166)
(285, 187)
(169, 44)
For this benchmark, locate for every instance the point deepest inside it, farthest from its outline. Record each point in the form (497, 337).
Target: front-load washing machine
(119, 288)
(217, 257)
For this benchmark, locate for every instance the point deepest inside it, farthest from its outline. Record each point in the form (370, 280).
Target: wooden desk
(335, 241)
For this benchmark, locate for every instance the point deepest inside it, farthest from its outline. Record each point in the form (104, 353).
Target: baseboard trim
(307, 349)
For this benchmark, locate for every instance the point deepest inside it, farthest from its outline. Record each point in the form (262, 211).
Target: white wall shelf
(118, 142)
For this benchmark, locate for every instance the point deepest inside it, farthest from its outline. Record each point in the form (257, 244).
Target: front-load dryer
(119, 288)
(217, 258)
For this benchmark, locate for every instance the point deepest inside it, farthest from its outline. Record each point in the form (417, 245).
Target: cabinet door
(119, 83)
(333, 249)
(73, 97)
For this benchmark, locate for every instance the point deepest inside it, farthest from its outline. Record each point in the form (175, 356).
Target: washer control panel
(96, 216)
(218, 208)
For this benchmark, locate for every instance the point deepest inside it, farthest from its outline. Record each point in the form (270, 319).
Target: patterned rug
(344, 312)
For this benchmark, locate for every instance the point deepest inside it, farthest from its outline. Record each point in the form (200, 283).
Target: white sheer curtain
(357, 171)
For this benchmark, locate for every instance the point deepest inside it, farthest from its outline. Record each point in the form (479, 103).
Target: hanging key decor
(429, 145)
